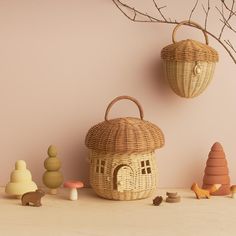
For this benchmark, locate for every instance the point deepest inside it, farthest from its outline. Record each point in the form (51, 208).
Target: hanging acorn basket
(189, 65)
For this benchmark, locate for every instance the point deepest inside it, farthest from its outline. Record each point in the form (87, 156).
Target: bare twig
(222, 14)
(193, 9)
(135, 14)
(206, 12)
(139, 16)
(224, 21)
(159, 9)
(120, 5)
(231, 28)
(226, 7)
(231, 13)
(230, 45)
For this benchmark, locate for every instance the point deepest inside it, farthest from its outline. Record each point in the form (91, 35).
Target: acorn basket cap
(124, 135)
(189, 50)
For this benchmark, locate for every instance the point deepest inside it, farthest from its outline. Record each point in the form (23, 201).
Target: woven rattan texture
(125, 135)
(182, 79)
(134, 184)
(189, 50)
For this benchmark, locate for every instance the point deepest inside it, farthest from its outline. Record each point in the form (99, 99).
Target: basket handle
(121, 98)
(191, 23)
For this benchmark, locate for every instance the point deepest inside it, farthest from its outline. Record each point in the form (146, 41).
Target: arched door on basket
(123, 178)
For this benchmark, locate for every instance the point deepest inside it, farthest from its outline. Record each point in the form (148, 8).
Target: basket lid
(189, 50)
(122, 135)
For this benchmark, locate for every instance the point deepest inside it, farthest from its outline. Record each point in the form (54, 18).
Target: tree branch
(230, 45)
(159, 10)
(139, 16)
(120, 5)
(191, 13)
(224, 21)
(231, 13)
(226, 7)
(206, 12)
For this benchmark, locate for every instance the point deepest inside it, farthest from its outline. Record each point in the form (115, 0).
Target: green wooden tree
(52, 178)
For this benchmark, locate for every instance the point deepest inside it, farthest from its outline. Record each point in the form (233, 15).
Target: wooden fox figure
(200, 193)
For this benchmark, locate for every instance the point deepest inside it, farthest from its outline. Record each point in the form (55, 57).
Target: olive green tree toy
(52, 178)
(20, 180)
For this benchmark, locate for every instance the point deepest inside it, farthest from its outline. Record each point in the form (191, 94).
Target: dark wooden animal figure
(32, 197)
(157, 200)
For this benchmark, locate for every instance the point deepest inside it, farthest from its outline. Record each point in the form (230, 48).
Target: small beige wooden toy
(52, 178)
(20, 180)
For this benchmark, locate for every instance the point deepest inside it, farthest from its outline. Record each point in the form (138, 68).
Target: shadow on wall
(83, 164)
(194, 169)
(158, 82)
(77, 162)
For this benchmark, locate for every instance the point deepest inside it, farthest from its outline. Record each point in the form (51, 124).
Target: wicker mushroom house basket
(122, 160)
(189, 65)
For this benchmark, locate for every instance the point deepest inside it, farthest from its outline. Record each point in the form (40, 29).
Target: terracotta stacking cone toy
(216, 171)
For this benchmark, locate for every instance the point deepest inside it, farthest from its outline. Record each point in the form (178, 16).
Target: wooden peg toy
(32, 198)
(20, 180)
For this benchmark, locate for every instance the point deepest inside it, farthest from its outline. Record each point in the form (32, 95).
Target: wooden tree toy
(52, 178)
(216, 171)
(20, 180)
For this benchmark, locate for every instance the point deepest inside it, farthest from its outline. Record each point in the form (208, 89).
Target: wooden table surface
(94, 216)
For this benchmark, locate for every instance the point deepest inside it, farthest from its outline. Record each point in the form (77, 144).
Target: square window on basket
(123, 162)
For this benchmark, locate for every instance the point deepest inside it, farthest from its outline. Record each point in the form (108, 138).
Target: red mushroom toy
(73, 185)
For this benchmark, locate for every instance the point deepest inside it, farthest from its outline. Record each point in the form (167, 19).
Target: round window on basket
(122, 159)
(189, 65)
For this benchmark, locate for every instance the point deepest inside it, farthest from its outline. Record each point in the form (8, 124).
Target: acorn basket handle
(191, 23)
(121, 98)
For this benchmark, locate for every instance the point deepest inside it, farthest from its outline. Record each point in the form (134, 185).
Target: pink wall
(63, 61)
